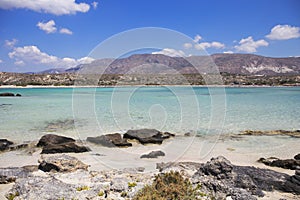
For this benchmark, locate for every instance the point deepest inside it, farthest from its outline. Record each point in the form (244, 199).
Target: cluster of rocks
(8, 94)
(143, 136)
(220, 179)
(66, 177)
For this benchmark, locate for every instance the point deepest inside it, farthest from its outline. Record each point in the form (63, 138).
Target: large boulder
(110, 140)
(4, 144)
(61, 163)
(145, 136)
(297, 157)
(153, 154)
(276, 162)
(223, 179)
(53, 139)
(59, 144)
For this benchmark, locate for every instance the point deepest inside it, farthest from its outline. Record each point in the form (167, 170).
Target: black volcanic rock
(145, 136)
(53, 139)
(4, 144)
(110, 140)
(52, 143)
(286, 163)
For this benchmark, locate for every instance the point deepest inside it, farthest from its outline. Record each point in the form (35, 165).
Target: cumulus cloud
(65, 31)
(249, 45)
(187, 45)
(205, 45)
(11, 43)
(197, 38)
(33, 55)
(56, 7)
(48, 27)
(284, 32)
(170, 52)
(1, 61)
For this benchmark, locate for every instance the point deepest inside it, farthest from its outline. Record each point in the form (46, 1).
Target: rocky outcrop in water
(110, 140)
(153, 154)
(285, 163)
(295, 133)
(146, 136)
(8, 94)
(61, 163)
(52, 143)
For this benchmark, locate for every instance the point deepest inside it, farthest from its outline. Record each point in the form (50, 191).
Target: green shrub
(169, 186)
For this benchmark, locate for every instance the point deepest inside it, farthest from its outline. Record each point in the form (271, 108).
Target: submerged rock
(153, 154)
(61, 163)
(110, 140)
(7, 94)
(276, 162)
(59, 144)
(146, 136)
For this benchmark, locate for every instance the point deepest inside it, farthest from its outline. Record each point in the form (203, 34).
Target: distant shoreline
(119, 86)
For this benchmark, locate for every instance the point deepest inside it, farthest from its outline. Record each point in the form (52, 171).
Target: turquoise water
(176, 109)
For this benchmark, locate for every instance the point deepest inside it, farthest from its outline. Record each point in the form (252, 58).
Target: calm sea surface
(93, 111)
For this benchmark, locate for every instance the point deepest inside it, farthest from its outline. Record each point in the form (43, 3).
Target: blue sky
(37, 35)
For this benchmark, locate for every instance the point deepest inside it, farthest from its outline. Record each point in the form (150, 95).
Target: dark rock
(4, 144)
(153, 154)
(145, 136)
(61, 163)
(14, 147)
(69, 147)
(53, 139)
(222, 179)
(59, 144)
(110, 140)
(18, 95)
(297, 157)
(219, 167)
(7, 94)
(275, 162)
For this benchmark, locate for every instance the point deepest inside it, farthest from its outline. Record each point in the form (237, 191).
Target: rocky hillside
(244, 64)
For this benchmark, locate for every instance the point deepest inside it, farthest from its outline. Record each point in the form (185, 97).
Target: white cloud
(33, 55)
(94, 4)
(197, 38)
(170, 52)
(48, 27)
(56, 7)
(249, 45)
(228, 52)
(11, 43)
(1, 61)
(284, 32)
(187, 45)
(65, 31)
(205, 45)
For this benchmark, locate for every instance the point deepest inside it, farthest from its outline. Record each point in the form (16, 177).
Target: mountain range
(244, 64)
